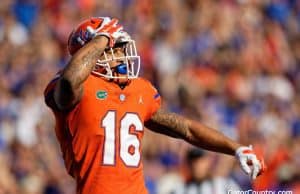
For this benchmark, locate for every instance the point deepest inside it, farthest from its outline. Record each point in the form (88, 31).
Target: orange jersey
(101, 137)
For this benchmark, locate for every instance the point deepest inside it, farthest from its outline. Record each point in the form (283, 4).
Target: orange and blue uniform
(100, 138)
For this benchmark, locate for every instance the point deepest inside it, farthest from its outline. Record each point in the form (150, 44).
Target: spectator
(202, 176)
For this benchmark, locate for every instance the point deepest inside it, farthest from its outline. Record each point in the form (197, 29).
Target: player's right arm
(69, 87)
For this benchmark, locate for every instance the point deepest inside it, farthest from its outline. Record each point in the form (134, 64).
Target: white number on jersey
(129, 142)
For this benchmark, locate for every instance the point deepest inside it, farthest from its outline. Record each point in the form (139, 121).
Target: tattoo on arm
(80, 67)
(193, 132)
(69, 89)
(169, 124)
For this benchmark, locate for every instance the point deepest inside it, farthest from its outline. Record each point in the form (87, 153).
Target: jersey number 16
(129, 142)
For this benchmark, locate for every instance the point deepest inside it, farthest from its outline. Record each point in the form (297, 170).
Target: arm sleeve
(49, 93)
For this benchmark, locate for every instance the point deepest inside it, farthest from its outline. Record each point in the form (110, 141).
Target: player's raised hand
(109, 28)
(249, 162)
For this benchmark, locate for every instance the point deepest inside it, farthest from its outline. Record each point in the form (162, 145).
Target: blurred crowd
(232, 64)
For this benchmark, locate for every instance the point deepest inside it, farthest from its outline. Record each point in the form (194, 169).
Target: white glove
(109, 28)
(249, 162)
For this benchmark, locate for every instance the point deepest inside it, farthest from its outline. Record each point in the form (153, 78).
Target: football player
(101, 107)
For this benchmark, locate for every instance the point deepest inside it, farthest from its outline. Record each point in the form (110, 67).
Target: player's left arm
(197, 134)
(177, 126)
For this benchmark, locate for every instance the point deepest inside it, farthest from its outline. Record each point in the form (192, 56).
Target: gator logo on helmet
(84, 35)
(80, 37)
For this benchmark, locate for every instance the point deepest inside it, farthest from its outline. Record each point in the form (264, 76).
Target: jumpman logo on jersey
(141, 100)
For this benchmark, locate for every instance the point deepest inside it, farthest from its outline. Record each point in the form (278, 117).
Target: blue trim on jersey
(156, 95)
(54, 79)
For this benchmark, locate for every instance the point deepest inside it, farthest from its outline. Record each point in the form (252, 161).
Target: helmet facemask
(130, 66)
